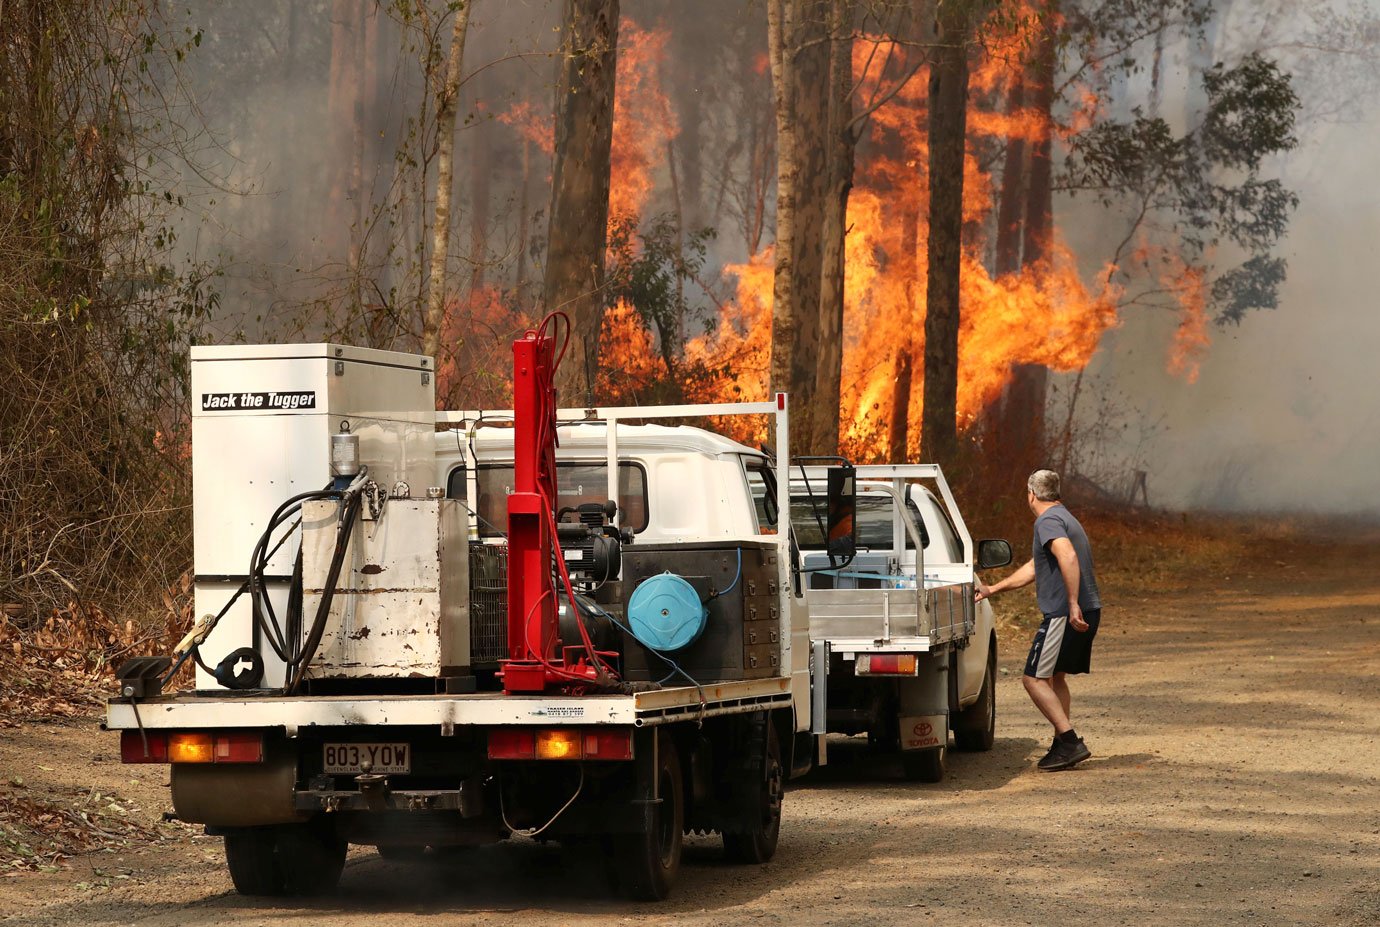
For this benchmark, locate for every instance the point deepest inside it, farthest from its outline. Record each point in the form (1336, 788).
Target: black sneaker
(1064, 756)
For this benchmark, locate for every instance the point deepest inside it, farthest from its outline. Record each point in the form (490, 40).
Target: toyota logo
(922, 729)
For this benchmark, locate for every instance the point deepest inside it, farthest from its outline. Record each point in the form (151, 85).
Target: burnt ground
(1235, 726)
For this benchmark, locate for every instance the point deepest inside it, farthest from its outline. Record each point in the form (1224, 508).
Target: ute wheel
(975, 728)
(252, 857)
(311, 859)
(762, 811)
(924, 765)
(648, 862)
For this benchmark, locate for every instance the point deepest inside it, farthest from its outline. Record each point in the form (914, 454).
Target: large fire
(644, 128)
(1046, 313)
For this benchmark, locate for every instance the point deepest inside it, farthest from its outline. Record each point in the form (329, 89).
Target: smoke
(1283, 415)
(308, 196)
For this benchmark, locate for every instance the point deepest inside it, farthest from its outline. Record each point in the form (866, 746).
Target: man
(1061, 567)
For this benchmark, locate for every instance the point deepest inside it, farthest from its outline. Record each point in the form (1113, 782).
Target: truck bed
(861, 620)
(220, 710)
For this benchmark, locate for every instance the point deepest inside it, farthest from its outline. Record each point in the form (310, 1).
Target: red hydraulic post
(531, 595)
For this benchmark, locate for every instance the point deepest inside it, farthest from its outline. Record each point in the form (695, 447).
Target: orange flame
(644, 124)
(473, 369)
(531, 126)
(1043, 314)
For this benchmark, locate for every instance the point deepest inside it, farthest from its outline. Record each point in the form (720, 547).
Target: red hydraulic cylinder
(532, 627)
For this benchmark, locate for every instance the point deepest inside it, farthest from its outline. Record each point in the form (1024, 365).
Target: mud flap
(923, 708)
(921, 731)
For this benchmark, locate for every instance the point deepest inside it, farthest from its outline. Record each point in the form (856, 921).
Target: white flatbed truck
(385, 720)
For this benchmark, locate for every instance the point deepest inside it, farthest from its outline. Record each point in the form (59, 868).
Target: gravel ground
(1234, 781)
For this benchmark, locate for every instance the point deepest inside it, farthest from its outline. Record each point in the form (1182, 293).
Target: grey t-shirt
(1058, 522)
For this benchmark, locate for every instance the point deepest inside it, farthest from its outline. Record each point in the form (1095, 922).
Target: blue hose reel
(665, 613)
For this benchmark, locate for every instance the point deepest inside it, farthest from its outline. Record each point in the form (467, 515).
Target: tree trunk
(524, 224)
(816, 206)
(1021, 422)
(440, 226)
(781, 43)
(1038, 195)
(948, 132)
(690, 49)
(343, 86)
(907, 267)
(1009, 203)
(578, 226)
(841, 141)
(899, 431)
(481, 183)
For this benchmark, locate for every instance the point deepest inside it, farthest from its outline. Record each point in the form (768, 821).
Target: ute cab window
(576, 484)
(875, 516)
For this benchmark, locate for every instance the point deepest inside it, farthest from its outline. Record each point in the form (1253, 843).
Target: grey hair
(1045, 485)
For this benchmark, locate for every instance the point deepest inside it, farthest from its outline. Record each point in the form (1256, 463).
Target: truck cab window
(576, 483)
(762, 485)
(456, 487)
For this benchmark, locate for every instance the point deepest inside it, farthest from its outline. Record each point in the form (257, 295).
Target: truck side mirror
(993, 553)
(842, 524)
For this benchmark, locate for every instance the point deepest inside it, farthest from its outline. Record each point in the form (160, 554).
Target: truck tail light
(887, 664)
(609, 745)
(239, 747)
(511, 744)
(192, 747)
(132, 747)
(560, 744)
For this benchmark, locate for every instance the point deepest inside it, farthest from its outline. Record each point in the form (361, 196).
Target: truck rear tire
(756, 843)
(311, 858)
(295, 859)
(975, 728)
(252, 857)
(648, 862)
(928, 765)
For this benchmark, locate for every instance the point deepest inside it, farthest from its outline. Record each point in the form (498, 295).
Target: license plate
(345, 759)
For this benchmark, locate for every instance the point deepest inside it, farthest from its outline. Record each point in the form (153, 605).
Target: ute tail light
(560, 744)
(192, 747)
(887, 664)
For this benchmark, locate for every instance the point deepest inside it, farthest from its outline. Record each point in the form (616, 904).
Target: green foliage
(651, 268)
(1208, 181)
(96, 308)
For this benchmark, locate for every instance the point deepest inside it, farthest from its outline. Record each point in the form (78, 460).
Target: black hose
(262, 607)
(303, 660)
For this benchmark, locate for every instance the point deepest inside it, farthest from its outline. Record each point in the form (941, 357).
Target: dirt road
(1235, 780)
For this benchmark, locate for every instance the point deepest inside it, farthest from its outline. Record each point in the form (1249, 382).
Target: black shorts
(1058, 648)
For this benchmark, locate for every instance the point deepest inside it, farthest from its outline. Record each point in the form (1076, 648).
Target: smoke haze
(1282, 416)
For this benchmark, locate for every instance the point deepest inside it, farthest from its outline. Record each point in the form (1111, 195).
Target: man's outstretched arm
(1022, 577)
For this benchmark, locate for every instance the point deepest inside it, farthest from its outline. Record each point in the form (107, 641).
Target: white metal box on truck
(262, 421)
(401, 606)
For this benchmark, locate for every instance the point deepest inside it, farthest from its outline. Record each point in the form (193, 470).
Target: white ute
(910, 658)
